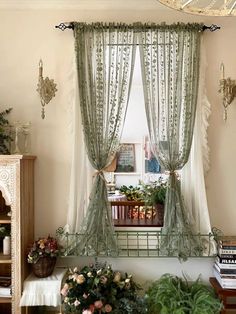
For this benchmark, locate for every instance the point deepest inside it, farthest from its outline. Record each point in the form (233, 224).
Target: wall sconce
(227, 89)
(46, 89)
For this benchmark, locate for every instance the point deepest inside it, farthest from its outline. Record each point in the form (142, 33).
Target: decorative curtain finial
(46, 89)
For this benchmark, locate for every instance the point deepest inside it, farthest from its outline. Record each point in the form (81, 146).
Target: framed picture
(151, 164)
(125, 161)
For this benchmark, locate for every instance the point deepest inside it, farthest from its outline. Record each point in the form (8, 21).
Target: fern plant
(171, 294)
(5, 138)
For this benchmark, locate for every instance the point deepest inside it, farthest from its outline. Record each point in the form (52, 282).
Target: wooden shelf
(5, 299)
(4, 219)
(5, 259)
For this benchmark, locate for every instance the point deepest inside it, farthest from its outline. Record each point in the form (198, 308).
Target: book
(227, 246)
(5, 281)
(227, 251)
(224, 258)
(5, 291)
(225, 265)
(227, 240)
(225, 271)
(225, 282)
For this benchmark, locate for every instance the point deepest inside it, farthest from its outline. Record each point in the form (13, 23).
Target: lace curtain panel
(170, 72)
(105, 58)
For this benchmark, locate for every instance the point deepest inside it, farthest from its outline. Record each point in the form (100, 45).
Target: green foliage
(5, 230)
(152, 193)
(4, 137)
(171, 294)
(132, 193)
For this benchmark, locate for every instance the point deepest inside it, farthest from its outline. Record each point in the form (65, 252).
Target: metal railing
(138, 244)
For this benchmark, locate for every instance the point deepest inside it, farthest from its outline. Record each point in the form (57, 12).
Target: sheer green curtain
(105, 59)
(170, 69)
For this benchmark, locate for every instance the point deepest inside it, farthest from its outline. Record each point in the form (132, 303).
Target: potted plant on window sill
(154, 194)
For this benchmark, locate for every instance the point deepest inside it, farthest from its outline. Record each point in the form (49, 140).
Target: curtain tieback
(172, 172)
(100, 173)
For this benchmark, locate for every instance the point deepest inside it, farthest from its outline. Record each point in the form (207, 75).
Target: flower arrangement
(97, 290)
(43, 247)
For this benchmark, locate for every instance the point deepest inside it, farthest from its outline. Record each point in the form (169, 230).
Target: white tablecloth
(43, 291)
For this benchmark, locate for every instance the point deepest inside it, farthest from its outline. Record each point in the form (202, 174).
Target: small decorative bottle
(7, 245)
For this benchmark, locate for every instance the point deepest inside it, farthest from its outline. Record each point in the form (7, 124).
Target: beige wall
(28, 35)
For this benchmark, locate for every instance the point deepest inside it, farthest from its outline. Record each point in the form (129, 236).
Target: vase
(44, 266)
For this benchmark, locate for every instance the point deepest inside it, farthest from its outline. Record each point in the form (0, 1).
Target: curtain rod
(63, 26)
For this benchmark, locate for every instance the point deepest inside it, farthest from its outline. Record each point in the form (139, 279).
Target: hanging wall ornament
(46, 89)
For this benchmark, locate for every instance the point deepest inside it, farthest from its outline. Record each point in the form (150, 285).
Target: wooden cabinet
(16, 212)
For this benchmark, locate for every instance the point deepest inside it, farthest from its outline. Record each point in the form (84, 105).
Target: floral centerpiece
(42, 256)
(43, 247)
(97, 290)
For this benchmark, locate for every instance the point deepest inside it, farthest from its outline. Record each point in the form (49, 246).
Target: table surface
(222, 291)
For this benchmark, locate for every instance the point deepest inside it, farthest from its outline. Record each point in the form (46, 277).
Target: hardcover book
(226, 283)
(225, 265)
(227, 251)
(225, 271)
(226, 258)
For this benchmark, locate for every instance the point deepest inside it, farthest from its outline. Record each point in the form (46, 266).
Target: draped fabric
(192, 174)
(105, 58)
(170, 71)
(81, 170)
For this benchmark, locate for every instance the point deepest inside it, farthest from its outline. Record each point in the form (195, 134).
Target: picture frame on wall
(125, 160)
(151, 164)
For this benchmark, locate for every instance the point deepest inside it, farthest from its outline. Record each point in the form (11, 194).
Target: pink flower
(64, 290)
(85, 296)
(92, 308)
(108, 308)
(98, 304)
(87, 312)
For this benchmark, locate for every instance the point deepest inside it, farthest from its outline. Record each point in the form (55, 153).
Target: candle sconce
(228, 91)
(46, 89)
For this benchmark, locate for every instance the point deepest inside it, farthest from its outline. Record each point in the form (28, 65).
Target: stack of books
(5, 287)
(225, 263)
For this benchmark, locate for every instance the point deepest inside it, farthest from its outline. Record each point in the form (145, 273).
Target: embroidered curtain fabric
(105, 58)
(170, 69)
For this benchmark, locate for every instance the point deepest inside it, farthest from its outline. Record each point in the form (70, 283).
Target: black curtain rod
(63, 26)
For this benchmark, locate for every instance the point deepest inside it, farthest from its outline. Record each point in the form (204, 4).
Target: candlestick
(40, 68)
(222, 69)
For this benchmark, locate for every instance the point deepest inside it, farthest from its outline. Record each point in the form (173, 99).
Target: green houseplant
(172, 294)
(132, 193)
(5, 138)
(155, 192)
